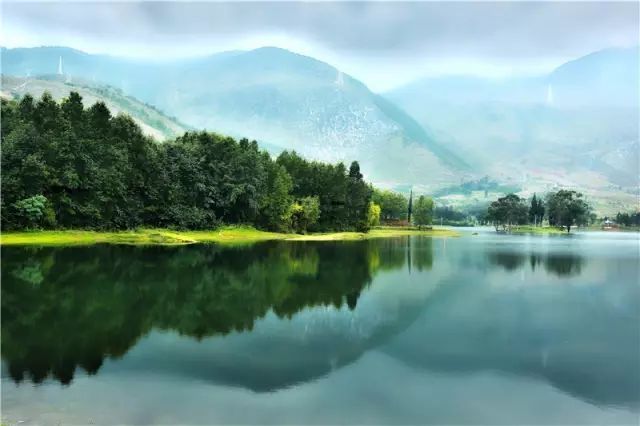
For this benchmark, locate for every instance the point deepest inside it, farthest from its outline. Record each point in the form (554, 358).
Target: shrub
(34, 212)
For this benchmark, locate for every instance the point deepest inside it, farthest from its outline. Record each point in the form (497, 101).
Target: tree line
(627, 219)
(396, 208)
(564, 208)
(66, 166)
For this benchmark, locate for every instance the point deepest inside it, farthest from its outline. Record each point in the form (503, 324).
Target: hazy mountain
(282, 99)
(462, 89)
(607, 78)
(152, 121)
(577, 126)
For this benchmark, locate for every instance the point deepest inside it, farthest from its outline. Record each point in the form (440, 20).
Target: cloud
(491, 35)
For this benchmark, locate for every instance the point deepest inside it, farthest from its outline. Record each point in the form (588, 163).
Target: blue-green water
(482, 329)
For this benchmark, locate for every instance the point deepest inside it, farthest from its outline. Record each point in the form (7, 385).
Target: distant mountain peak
(283, 99)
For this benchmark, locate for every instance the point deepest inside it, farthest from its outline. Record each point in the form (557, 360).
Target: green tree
(423, 211)
(73, 109)
(393, 205)
(98, 171)
(357, 201)
(304, 214)
(536, 211)
(34, 212)
(374, 214)
(275, 208)
(326, 181)
(628, 219)
(26, 107)
(567, 208)
(46, 114)
(507, 211)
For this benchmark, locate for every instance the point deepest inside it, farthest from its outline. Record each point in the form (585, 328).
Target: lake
(481, 329)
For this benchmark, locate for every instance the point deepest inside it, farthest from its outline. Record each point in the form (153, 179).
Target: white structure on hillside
(60, 66)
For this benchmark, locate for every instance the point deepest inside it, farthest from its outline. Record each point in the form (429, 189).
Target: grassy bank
(226, 235)
(374, 233)
(537, 230)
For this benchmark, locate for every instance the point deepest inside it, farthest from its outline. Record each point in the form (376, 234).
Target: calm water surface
(482, 329)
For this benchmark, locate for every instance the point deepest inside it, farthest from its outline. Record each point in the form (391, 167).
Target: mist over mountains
(282, 99)
(575, 127)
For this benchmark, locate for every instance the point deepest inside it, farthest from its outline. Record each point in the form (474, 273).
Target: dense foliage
(563, 209)
(628, 219)
(393, 205)
(65, 166)
(423, 211)
(448, 215)
(567, 208)
(536, 210)
(508, 211)
(374, 214)
(343, 195)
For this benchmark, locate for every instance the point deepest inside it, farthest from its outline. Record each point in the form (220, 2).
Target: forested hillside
(152, 121)
(65, 166)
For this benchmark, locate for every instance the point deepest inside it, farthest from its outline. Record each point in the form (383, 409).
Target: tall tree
(304, 213)
(276, 205)
(374, 214)
(507, 211)
(357, 201)
(567, 208)
(536, 210)
(423, 211)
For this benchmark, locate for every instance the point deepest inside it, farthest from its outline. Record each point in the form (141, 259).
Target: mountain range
(282, 99)
(574, 127)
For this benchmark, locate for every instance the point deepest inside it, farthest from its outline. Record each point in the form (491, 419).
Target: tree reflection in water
(64, 308)
(559, 264)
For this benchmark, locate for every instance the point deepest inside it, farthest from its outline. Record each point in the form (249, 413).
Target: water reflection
(64, 308)
(583, 338)
(279, 315)
(559, 264)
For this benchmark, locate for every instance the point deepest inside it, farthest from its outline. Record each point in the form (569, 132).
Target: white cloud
(383, 43)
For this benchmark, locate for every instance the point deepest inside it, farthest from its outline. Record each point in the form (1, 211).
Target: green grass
(225, 235)
(91, 237)
(231, 235)
(374, 233)
(526, 229)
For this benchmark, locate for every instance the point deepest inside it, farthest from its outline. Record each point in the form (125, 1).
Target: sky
(384, 44)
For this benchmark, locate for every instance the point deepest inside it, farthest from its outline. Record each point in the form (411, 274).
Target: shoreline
(225, 236)
(539, 230)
